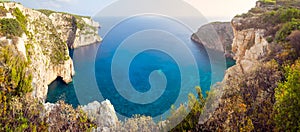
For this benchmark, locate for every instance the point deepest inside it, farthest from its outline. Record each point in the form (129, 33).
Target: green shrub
(10, 28)
(286, 15)
(17, 113)
(22, 114)
(268, 1)
(287, 95)
(29, 52)
(137, 123)
(28, 114)
(247, 101)
(269, 39)
(3, 11)
(256, 10)
(59, 51)
(49, 12)
(21, 19)
(187, 121)
(17, 81)
(46, 12)
(64, 117)
(80, 25)
(287, 29)
(56, 48)
(270, 20)
(244, 100)
(19, 16)
(282, 15)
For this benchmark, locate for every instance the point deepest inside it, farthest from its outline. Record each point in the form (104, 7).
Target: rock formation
(213, 34)
(103, 113)
(78, 31)
(44, 42)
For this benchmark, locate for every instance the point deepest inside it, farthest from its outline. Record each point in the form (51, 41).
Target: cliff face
(78, 31)
(44, 43)
(224, 32)
(248, 87)
(249, 46)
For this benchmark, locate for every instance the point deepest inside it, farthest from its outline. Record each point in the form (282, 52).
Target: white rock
(103, 113)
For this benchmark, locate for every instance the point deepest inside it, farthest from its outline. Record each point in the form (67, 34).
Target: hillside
(34, 47)
(258, 92)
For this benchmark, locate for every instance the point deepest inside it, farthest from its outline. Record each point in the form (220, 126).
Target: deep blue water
(150, 68)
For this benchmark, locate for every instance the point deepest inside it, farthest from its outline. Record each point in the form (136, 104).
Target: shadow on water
(59, 90)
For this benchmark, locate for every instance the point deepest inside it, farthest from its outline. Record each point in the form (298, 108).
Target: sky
(213, 10)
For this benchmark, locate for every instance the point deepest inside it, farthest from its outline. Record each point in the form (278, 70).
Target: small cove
(93, 76)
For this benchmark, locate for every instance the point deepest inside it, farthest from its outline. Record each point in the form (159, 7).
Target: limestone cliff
(78, 31)
(224, 33)
(246, 102)
(249, 45)
(43, 42)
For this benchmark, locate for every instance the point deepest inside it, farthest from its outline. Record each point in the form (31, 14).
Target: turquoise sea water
(93, 66)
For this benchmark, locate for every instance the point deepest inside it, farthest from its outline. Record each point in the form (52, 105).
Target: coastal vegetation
(287, 96)
(79, 22)
(265, 98)
(21, 112)
(10, 27)
(268, 1)
(194, 107)
(21, 19)
(13, 27)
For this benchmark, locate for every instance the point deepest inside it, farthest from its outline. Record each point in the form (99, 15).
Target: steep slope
(42, 40)
(261, 45)
(77, 30)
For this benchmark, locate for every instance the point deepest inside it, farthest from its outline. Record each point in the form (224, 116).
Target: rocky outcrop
(77, 31)
(88, 34)
(249, 46)
(213, 34)
(44, 43)
(103, 113)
